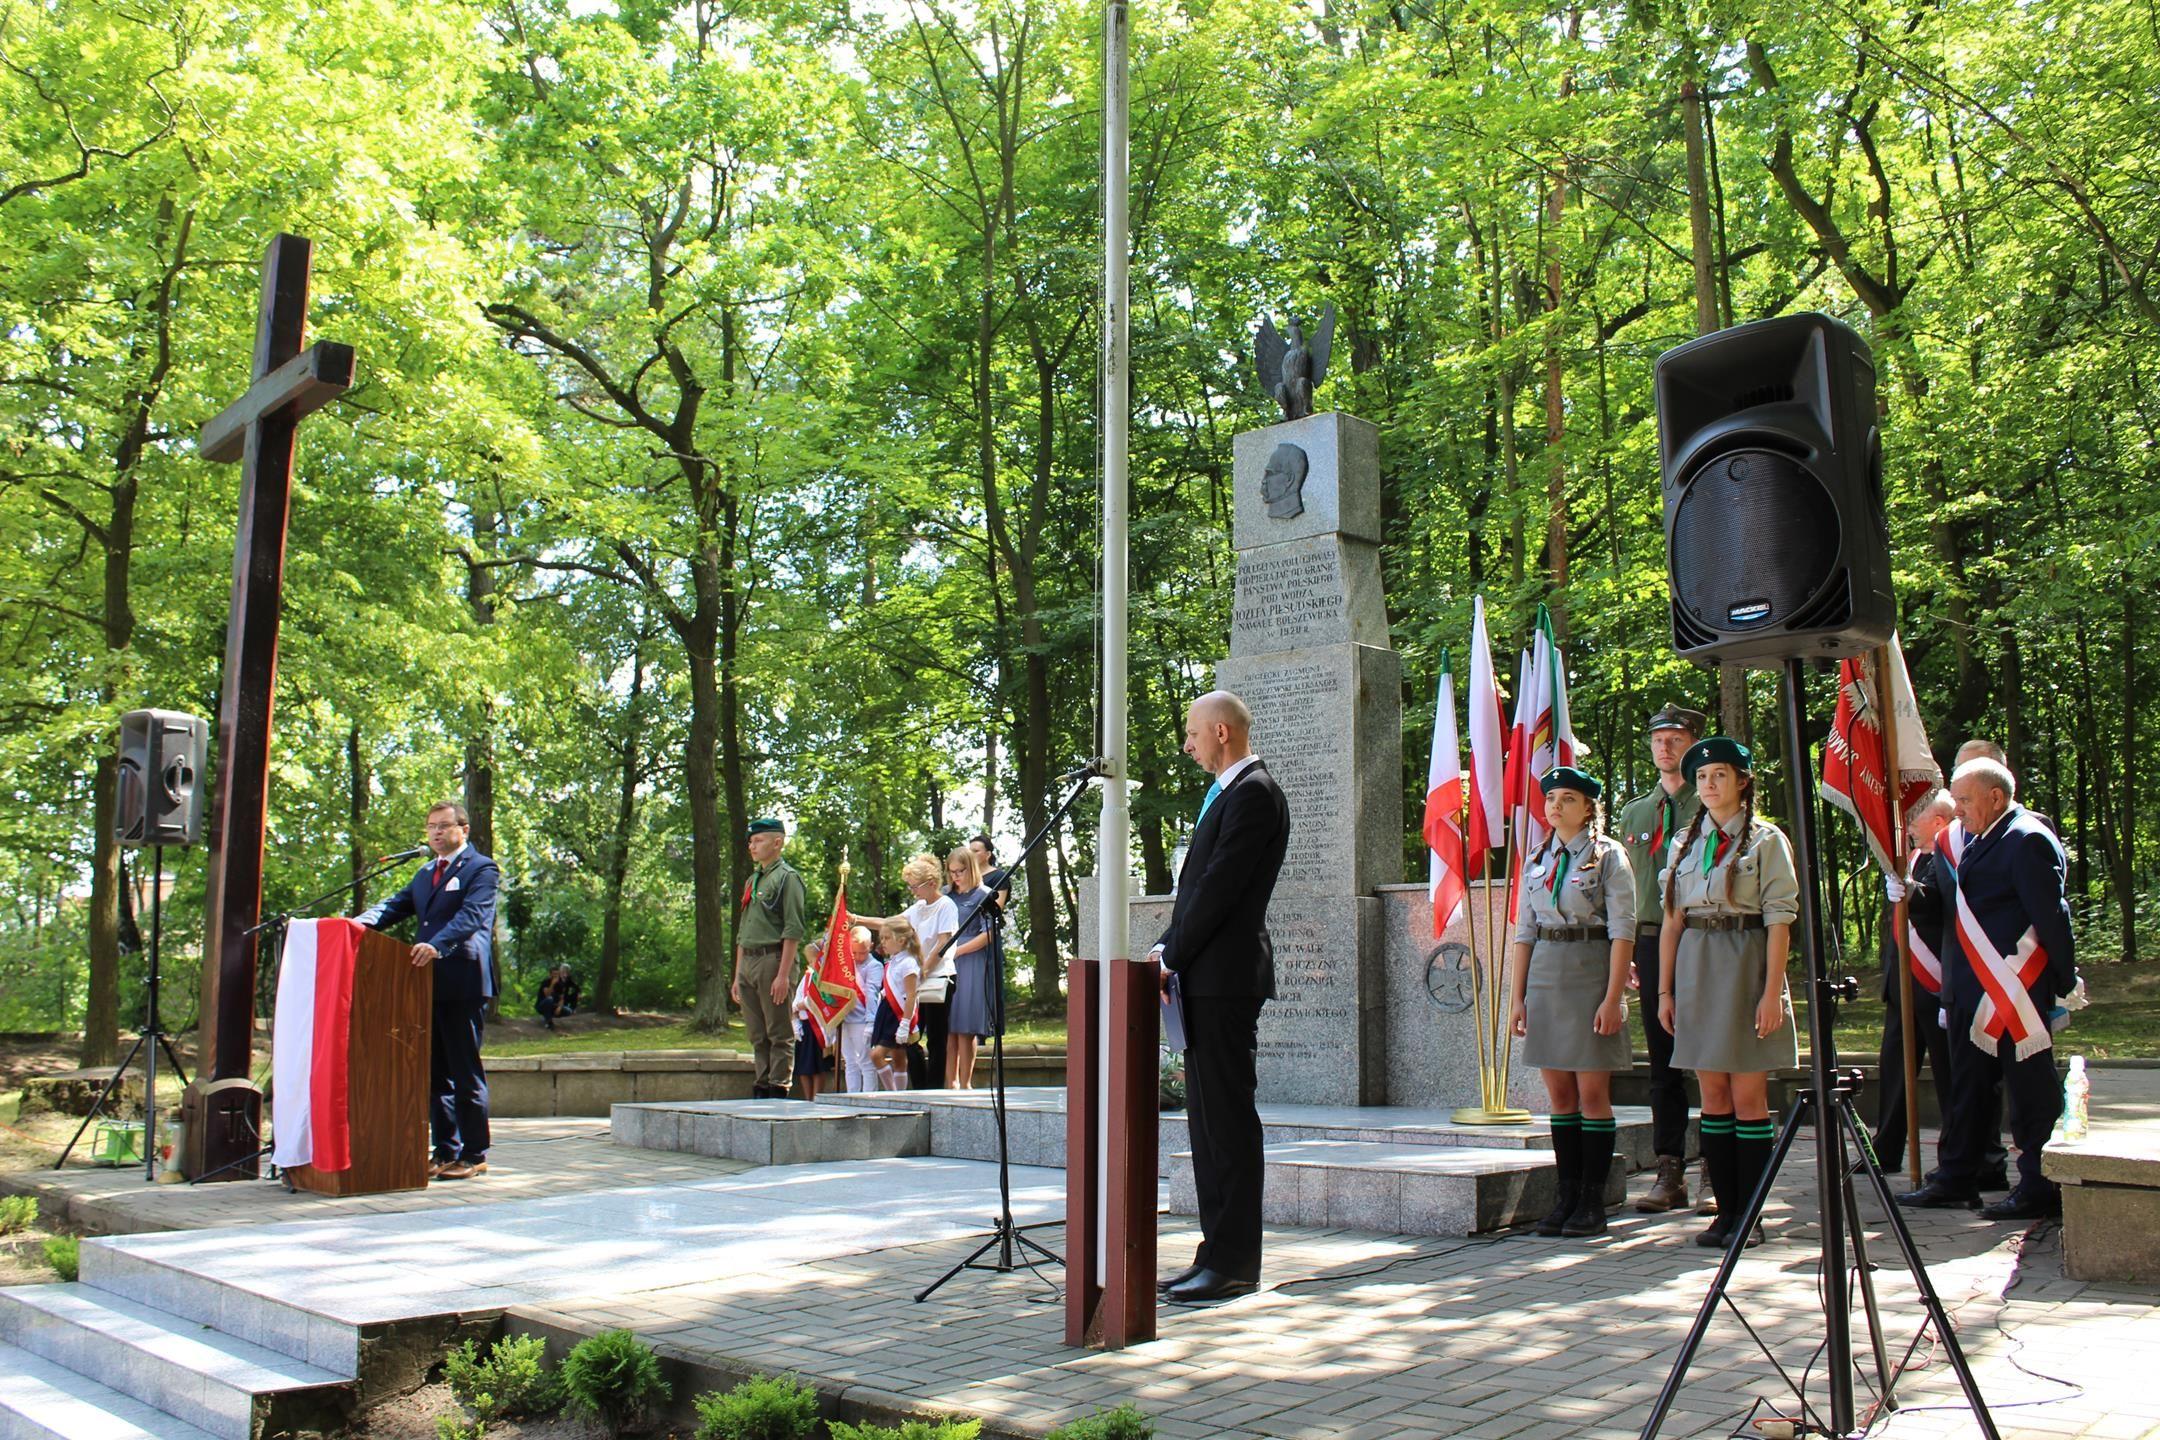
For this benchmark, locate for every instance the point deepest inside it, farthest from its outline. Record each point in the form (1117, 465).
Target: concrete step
(288, 1329)
(962, 1127)
(1398, 1189)
(773, 1132)
(40, 1400)
(225, 1386)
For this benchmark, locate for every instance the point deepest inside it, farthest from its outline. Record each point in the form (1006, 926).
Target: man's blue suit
(456, 914)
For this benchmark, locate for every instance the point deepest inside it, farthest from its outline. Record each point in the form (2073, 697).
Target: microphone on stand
(414, 853)
(1087, 770)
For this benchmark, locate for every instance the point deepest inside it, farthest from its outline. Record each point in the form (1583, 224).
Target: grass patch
(2122, 1022)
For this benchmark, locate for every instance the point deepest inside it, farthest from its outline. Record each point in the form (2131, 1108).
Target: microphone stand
(279, 922)
(1006, 1237)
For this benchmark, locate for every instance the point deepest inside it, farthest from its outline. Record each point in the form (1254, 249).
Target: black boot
(1752, 1143)
(1717, 1155)
(1588, 1216)
(1567, 1141)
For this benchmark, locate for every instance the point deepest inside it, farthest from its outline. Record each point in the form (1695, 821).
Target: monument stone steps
(772, 1132)
(210, 1381)
(233, 1310)
(1454, 1190)
(41, 1400)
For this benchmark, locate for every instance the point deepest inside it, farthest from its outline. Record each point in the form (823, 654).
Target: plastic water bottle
(2077, 1101)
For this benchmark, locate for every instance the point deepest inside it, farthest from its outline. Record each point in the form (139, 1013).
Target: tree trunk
(101, 1021)
(2126, 854)
(480, 740)
(709, 851)
(618, 859)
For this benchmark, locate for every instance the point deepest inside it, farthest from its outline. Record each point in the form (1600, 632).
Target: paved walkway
(1359, 1336)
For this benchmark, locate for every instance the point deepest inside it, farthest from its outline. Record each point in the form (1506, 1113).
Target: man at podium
(453, 898)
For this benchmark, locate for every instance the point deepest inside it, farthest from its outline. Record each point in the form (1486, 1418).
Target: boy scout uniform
(1733, 883)
(773, 903)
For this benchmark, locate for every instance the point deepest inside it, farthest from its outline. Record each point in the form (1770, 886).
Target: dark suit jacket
(2013, 878)
(457, 917)
(1218, 942)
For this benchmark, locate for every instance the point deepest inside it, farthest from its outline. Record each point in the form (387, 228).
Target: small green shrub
(17, 1213)
(764, 1407)
(612, 1377)
(512, 1380)
(457, 1427)
(1123, 1423)
(912, 1430)
(64, 1254)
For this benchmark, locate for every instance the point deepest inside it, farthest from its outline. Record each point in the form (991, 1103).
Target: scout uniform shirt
(1594, 888)
(1650, 826)
(773, 902)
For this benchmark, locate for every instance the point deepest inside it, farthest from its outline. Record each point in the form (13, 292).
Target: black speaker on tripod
(161, 778)
(1776, 539)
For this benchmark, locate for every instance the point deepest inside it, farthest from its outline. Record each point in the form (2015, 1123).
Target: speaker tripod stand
(147, 1044)
(1827, 1103)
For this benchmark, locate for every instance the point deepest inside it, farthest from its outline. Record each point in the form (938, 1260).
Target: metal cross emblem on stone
(258, 430)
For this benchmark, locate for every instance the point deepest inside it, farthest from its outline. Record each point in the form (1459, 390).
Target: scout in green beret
(1648, 825)
(767, 934)
(1730, 899)
(1573, 941)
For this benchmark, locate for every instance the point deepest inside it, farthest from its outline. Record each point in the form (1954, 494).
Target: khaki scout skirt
(1566, 986)
(1717, 981)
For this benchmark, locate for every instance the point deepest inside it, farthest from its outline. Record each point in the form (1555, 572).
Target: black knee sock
(1567, 1145)
(1717, 1154)
(1598, 1134)
(1752, 1140)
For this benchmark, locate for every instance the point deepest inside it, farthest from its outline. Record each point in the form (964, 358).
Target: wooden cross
(258, 430)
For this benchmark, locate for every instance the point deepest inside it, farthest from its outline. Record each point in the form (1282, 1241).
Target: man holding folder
(1218, 962)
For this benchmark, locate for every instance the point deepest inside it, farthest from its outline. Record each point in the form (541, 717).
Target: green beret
(1679, 717)
(1717, 750)
(767, 826)
(1567, 777)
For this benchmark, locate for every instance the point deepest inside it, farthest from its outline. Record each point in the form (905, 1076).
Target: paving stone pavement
(1359, 1335)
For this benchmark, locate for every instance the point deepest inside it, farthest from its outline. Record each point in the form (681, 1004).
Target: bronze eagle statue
(1289, 367)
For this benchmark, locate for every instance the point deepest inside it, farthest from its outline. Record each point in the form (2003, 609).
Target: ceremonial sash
(2007, 1007)
(1950, 844)
(892, 995)
(1926, 967)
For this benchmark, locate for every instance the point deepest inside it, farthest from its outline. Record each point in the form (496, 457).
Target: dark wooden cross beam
(258, 430)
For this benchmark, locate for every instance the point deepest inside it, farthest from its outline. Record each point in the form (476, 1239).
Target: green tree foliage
(725, 441)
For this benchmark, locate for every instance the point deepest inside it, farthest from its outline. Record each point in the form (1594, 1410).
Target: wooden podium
(390, 1033)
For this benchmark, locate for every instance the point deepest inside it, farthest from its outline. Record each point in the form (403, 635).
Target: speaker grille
(1754, 541)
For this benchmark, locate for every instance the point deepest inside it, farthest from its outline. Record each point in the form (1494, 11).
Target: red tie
(440, 866)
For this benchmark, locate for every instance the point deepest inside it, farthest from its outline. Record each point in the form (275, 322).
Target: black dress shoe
(2024, 1205)
(1937, 1196)
(1170, 1282)
(1208, 1287)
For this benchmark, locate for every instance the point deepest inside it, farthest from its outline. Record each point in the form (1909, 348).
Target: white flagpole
(1113, 919)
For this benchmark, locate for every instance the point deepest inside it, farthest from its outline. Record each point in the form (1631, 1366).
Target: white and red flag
(1485, 826)
(1449, 882)
(1541, 738)
(310, 1059)
(1856, 768)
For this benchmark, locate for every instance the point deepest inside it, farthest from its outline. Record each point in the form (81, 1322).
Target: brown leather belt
(1724, 922)
(1571, 932)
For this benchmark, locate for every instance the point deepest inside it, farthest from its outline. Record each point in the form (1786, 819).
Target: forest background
(725, 441)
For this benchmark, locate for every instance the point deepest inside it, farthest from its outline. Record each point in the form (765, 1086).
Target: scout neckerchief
(1714, 852)
(1559, 873)
(771, 900)
(1668, 818)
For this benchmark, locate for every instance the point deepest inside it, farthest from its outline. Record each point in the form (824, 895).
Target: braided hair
(1695, 827)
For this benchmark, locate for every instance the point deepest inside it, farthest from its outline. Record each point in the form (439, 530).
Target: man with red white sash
(2013, 956)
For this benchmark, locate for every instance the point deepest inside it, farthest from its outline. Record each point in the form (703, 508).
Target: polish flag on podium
(1449, 885)
(836, 987)
(310, 1063)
